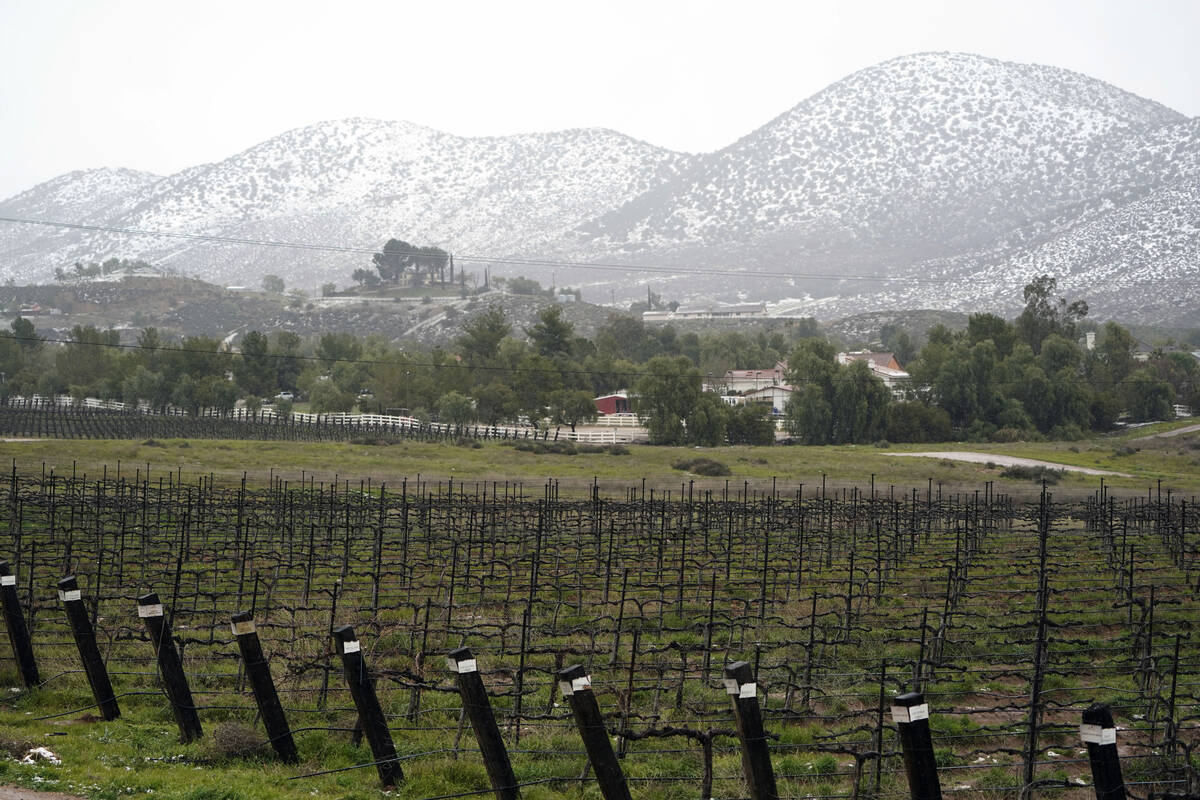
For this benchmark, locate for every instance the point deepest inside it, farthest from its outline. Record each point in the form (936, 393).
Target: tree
(496, 402)
(326, 398)
(365, 277)
(273, 284)
(88, 358)
(1115, 351)
(25, 334)
(551, 335)
(897, 340)
(328, 289)
(1042, 316)
(391, 263)
(534, 380)
(338, 346)
(667, 393)
(571, 406)
(917, 422)
(708, 421)
(255, 369)
(455, 408)
(751, 423)
(480, 339)
(285, 350)
(1148, 398)
(982, 327)
(860, 405)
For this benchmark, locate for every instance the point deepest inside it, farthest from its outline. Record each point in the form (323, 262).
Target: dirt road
(1008, 461)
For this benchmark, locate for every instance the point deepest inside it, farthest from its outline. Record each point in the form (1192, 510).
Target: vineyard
(1011, 614)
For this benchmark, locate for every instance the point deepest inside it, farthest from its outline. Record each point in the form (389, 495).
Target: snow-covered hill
(957, 174)
(356, 183)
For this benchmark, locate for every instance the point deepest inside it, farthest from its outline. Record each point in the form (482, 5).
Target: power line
(505, 260)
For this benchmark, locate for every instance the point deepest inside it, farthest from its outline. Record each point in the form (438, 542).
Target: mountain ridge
(964, 165)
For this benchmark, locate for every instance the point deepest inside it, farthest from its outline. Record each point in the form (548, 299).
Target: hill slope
(958, 177)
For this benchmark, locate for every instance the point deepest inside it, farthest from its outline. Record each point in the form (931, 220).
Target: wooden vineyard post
(259, 672)
(370, 714)
(756, 758)
(576, 687)
(478, 708)
(911, 715)
(1099, 733)
(174, 680)
(89, 653)
(18, 632)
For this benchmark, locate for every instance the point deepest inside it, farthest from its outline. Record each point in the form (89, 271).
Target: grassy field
(1174, 461)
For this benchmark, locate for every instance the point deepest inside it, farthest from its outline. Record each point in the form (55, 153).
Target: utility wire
(509, 261)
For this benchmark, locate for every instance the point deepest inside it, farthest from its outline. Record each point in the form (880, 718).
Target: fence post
(169, 665)
(18, 632)
(477, 706)
(1100, 735)
(911, 715)
(576, 687)
(259, 672)
(756, 758)
(370, 714)
(89, 654)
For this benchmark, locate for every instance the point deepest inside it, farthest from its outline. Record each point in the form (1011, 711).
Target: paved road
(1010, 461)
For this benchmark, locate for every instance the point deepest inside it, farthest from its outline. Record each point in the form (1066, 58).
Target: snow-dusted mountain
(962, 176)
(356, 183)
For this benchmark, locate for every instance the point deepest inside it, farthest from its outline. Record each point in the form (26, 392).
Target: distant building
(774, 396)
(883, 366)
(616, 403)
(739, 311)
(743, 380)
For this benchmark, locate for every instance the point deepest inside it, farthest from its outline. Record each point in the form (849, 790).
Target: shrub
(1033, 473)
(237, 740)
(702, 466)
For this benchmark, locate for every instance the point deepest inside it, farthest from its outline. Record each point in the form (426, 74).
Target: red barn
(617, 403)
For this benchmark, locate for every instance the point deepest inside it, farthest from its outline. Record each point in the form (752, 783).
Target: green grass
(1174, 461)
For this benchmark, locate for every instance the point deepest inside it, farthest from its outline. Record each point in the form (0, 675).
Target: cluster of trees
(1006, 381)
(400, 260)
(995, 380)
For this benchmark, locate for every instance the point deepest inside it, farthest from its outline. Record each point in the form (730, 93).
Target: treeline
(996, 380)
(493, 373)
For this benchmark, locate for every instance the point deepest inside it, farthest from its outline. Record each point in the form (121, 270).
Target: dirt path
(1008, 461)
(1168, 434)
(17, 793)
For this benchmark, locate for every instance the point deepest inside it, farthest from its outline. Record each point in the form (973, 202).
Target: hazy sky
(160, 86)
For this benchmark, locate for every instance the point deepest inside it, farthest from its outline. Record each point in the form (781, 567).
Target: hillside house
(744, 380)
(883, 366)
(774, 396)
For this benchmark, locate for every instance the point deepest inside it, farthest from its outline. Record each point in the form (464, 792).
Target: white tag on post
(69, 595)
(155, 610)
(8, 580)
(467, 666)
(748, 690)
(351, 646)
(242, 628)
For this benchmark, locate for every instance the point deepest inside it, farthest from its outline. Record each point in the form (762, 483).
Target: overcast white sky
(161, 86)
